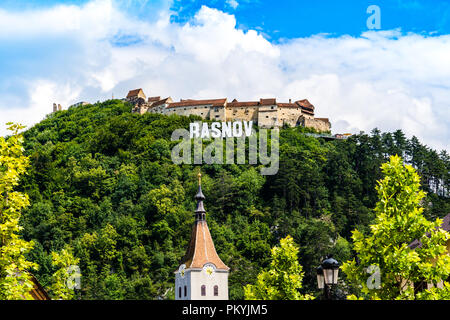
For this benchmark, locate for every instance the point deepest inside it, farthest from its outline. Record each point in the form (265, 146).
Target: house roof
(38, 292)
(305, 104)
(153, 99)
(267, 102)
(288, 105)
(237, 104)
(134, 93)
(190, 102)
(445, 226)
(160, 102)
(446, 223)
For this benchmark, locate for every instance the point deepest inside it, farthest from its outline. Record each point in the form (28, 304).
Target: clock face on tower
(181, 270)
(209, 269)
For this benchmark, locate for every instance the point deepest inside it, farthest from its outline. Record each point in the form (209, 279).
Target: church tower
(202, 275)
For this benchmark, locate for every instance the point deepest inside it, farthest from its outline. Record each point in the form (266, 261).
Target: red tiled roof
(267, 102)
(134, 93)
(323, 119)
(187, 103)
(288, 105)
(235, 104)
(153, 99)
(201, 249)
(305, 104)
(160, 102)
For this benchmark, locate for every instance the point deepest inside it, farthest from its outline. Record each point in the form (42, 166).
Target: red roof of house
(134, 93)
(288, 105)
(153, 99)
(305, 104)
(187, 103)
(235, 104)
(267, 102)
(160, 102)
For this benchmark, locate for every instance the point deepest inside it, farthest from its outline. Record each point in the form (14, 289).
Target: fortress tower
(202, 275)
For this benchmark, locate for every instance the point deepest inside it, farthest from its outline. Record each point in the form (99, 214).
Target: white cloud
(232, 3)
(381, 79)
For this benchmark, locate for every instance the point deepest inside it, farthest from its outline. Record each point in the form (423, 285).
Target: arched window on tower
(179, 292)
(216, 290)
(203, 290)
(185, 291)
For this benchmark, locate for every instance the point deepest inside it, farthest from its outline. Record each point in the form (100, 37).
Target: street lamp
(327, 275)
(320, 280)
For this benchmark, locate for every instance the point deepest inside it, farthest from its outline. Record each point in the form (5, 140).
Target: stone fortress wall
(266, 113)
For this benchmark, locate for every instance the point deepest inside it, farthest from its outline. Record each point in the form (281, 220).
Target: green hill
(102, 180)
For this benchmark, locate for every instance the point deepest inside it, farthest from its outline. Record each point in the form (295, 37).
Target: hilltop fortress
(266, 113)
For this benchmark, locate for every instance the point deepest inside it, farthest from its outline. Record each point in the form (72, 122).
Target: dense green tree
(101, 178)
(284, 278)
(399, 220)
(67, 277)
(15, 280)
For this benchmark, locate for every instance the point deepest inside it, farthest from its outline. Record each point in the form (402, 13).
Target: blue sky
(294, 18)
(291, 18)
(72, 50)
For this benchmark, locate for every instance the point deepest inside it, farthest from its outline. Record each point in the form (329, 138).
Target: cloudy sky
(394, 77)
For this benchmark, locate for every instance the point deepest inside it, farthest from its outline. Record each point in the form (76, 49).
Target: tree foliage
(15, 280)
(283, 279)
(399, 221)
(101, 181)
(64, 278)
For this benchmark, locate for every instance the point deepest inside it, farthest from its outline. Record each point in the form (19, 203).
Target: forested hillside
(102, 181)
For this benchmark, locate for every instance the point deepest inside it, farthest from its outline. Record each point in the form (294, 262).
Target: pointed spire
(199, 195)
(201, 248)
(200, 211)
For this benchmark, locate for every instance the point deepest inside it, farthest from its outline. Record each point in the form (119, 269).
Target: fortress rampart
(266, 113)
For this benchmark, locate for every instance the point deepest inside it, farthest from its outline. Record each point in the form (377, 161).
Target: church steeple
(208, 275)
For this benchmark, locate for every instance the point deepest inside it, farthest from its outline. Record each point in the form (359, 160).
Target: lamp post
(327, 275)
